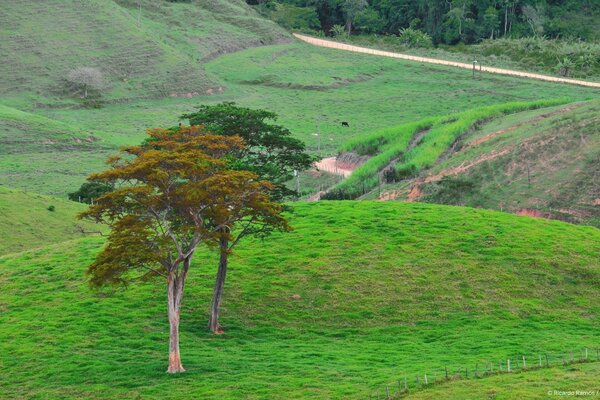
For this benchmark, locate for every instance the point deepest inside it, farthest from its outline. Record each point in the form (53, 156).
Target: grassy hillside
(433, 286)
(27, 223)
(307, 86)
(161, 56)
(542, 162)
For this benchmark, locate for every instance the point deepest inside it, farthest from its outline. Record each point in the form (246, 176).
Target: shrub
(414, 38)
(51, 208)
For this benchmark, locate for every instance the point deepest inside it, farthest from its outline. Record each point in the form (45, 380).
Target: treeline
(445, 21)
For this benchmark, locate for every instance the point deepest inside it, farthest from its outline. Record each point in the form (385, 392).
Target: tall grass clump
(372, 143)
(393, 144)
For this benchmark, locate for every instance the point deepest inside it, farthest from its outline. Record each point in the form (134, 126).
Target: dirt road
(342, 46)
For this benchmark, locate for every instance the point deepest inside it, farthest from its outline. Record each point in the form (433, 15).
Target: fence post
(540, 360)
(547, 363)
(446, 368)
(387, 392)
(500, 365)
(405, 384)
(426, 381)
(508, 365)
(524, 363)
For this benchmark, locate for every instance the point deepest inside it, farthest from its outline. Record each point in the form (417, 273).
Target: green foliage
(51, 208)
(411, 38)
(272, 153)
(291, 16)
(465, 21)
(90, 192)
(338, 31)
(387, 290)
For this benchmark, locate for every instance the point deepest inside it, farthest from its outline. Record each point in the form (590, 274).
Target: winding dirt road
(357, 49)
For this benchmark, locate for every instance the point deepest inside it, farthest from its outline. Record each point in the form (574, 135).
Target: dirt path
(330, 165)
(342, 46)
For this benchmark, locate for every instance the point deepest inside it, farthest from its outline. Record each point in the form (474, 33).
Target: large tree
(271, 152)
(162, 210)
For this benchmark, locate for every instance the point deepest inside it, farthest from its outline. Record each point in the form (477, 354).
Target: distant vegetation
(555, 37)
(449, 22)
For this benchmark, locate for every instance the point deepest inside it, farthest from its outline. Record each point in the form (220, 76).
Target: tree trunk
(506, 19)
(349, 25)
(175, 285)
(213, 322)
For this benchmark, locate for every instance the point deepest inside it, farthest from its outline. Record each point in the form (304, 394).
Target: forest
(444, 21)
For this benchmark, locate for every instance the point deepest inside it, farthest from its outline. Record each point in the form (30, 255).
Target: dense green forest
(444, 21)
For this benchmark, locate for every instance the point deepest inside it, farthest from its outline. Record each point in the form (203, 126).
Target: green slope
(544, 162)
(26, 222)
(160, 57)
(386, 290)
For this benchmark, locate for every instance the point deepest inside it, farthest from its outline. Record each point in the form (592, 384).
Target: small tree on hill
(162, 210)
(85, 79)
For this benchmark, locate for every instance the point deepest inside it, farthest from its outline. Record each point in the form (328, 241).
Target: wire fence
(517, 364)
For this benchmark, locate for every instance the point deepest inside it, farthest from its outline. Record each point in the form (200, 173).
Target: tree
(271, 152)
(85, 78)
(233, 216)
(273, 155)
(160, 212)
(90, 191)
(351, 9)
(534, 15)
(491, 21)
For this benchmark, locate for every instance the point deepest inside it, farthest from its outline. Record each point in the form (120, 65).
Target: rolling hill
(386, 290)
(151, 51)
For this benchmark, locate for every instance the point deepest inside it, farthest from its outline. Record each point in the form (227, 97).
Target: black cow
(344, 123)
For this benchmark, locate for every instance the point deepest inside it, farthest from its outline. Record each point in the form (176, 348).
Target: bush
(414, 38)
(51, 208)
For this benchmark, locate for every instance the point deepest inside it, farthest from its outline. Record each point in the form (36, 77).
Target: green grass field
(433, 286)
(27, 223)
